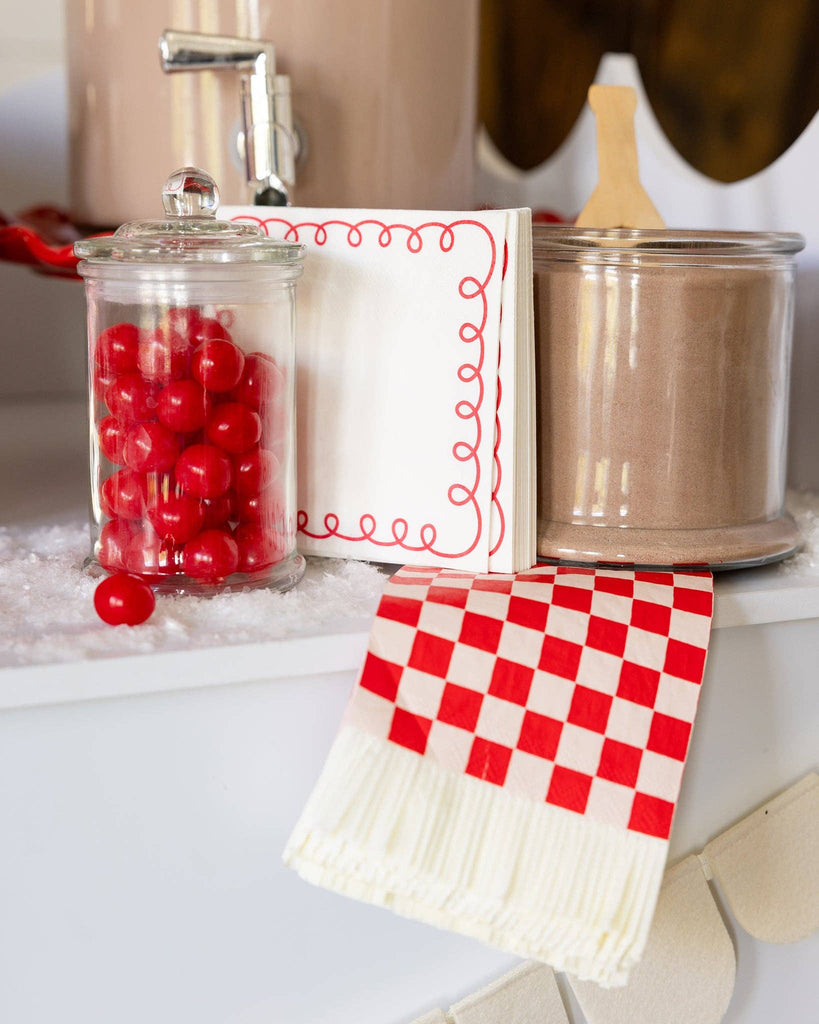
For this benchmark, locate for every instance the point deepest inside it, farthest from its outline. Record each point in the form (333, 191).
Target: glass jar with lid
(663, 362)
(191, 356)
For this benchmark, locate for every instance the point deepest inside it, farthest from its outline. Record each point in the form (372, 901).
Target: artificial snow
(47, 613)
(804, 508)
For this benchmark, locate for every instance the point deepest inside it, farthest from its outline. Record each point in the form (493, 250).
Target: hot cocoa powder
(662, 409)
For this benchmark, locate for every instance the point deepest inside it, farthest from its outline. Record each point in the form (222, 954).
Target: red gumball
(206, 329)
(163, 355)
(203, 471)
(185, 320)
(148, 554)
(258, 548)
(124, 494)
(116, 349)
(100, 383)
(112, 436)
(217, 511)
(254, 471)
(265, 508)
(176, 517)
(150, 448)
(210, 556)
(218, 364)
(183, 406)
(262, 381)
(233, 427)
(253, 508)
(123, 600)
(115, 536)
(131, 398)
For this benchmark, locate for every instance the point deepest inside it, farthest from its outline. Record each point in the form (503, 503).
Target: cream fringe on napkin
(390, 827)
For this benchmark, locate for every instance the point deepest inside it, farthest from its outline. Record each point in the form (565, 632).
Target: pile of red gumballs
(195, 429)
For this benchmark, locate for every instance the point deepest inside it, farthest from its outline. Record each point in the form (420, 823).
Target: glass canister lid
(190, 232)
(565, 242)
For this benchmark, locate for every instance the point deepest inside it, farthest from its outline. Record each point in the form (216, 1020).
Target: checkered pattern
(577, 687)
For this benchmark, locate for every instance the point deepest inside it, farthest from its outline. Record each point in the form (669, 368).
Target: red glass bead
(150, 448)
(116, 350)
(254, 471)
(131, 398)
(203, 471)
(276, 429)
(217, 364)
(150, 555)
(262, 381)
(182, 406)
(210, 556)
(186, 320)
(258, 548)
(115, 536)
(217, 511)
(206, 329)
(265, 508)
(112, 436)
(101, 382)
(176, 517)
(124, 494)
(123, 600)
(233, 427)
(163, 355)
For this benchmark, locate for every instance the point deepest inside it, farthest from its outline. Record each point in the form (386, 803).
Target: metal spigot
(270, 142)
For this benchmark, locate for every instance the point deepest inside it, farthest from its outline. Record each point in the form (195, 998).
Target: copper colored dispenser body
(383, 96)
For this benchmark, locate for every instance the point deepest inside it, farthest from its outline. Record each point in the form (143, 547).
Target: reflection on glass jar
(191, 383)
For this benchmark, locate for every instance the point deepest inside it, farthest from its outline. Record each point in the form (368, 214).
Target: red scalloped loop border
(470, 288)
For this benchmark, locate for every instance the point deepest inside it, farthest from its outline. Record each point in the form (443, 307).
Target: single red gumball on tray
(254, 471)
(176, 517)
(258, 548)
(150, 448)
(163, 355)
(116, 349)
(203, 471)
(217, 511)
(124, 494)
(183, 406)
(124, 600)
(131, 398)
(217, 364)
(210, 556)
(112, 436)
(115, 536)
(262, 381)
(234, 427)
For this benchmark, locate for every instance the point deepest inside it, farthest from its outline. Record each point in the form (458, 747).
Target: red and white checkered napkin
(510, 760)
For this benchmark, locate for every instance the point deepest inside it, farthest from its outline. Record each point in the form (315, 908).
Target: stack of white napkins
(415, 358)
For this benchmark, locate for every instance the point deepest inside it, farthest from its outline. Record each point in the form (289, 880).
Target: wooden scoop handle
(619, 200)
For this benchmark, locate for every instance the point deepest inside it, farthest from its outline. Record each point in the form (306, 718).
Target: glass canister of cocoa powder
(663, 362)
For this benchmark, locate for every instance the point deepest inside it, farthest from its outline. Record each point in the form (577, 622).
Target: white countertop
(53, 648)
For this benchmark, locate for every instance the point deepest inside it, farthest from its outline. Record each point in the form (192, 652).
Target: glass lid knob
(190, 192)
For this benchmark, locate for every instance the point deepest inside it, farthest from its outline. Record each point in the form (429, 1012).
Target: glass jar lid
(190, 232)
(567, 242)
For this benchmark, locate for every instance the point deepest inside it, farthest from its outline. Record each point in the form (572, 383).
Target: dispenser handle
(270, 141)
